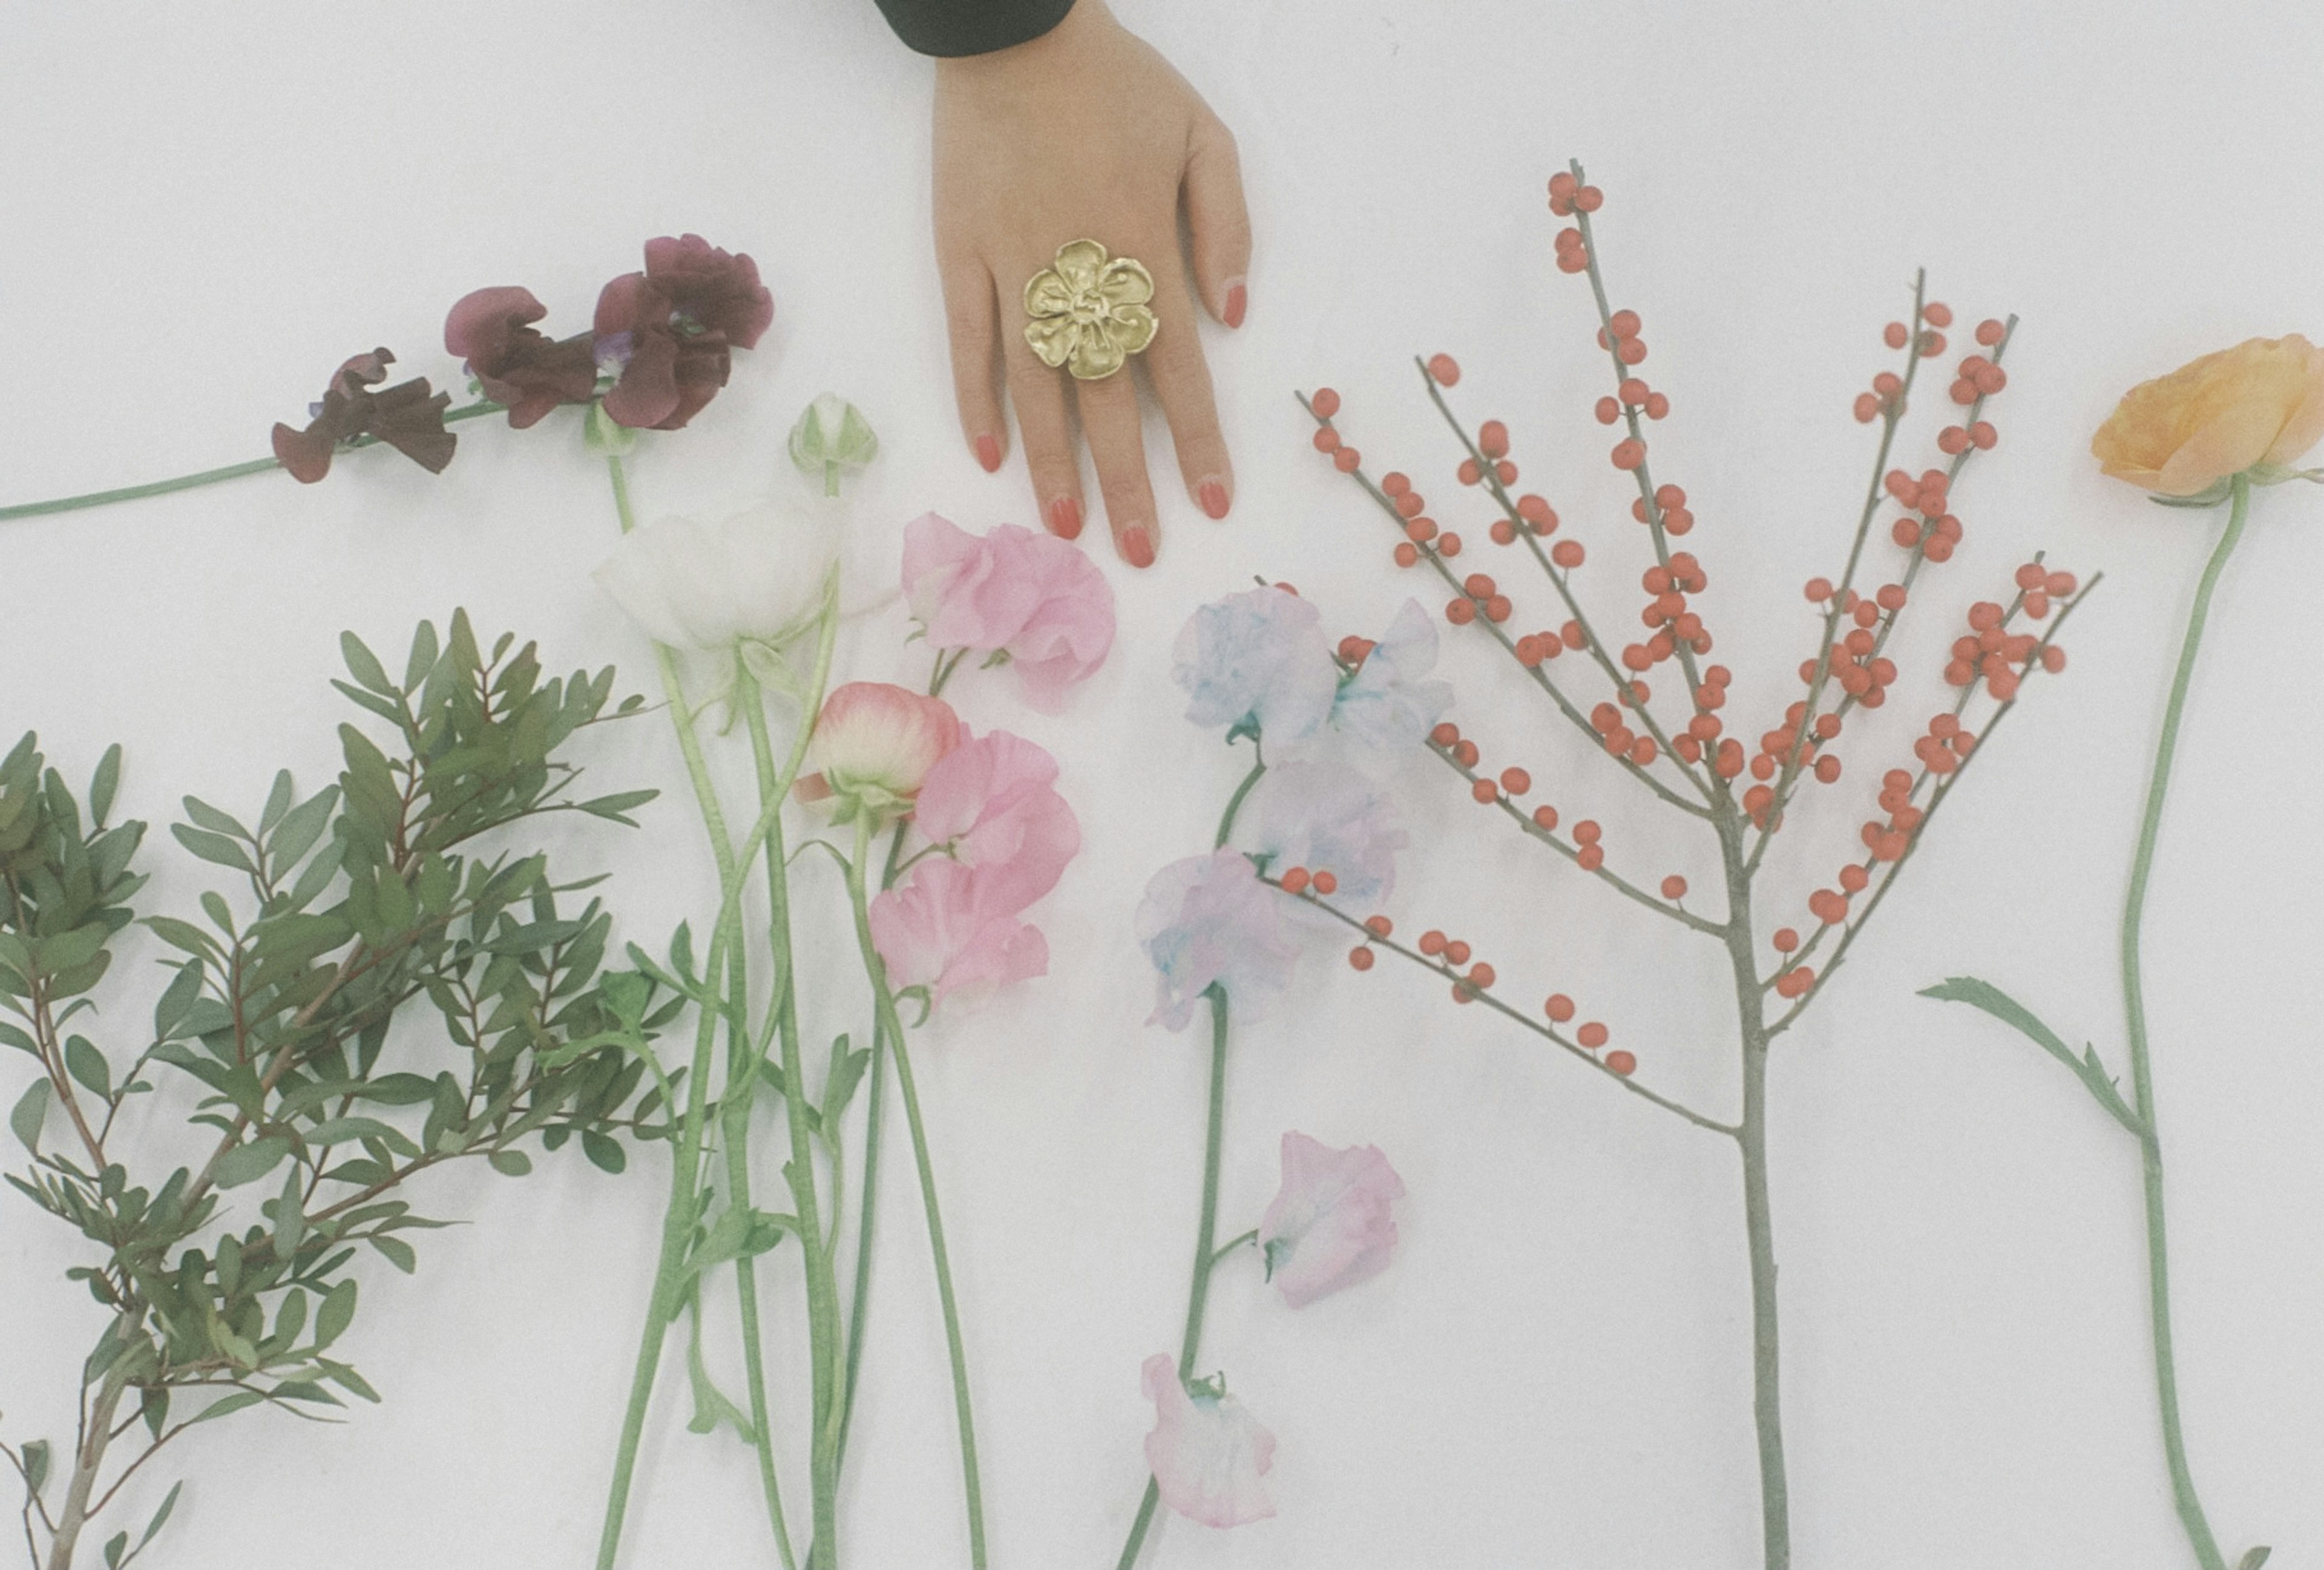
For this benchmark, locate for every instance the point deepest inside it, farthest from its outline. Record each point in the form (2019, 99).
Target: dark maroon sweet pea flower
(515, 365)
(407, 416)
(670, 332)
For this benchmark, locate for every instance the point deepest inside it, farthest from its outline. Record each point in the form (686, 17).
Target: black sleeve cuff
(959, 27)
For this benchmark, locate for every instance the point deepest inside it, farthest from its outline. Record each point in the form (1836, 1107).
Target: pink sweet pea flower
(875, 743)
(1329, 1225)
(1209, 1456)
(993, 798)
(942, 930)
(1032, 596)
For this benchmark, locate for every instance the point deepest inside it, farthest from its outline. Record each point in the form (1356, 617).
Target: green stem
(859, 1298)
(685, 1177)
(1206, 1249)
(2142, 867)
(893, 1029)
(206, 477)
(741, 1076)
(1206, 1255)
(1231, 1244)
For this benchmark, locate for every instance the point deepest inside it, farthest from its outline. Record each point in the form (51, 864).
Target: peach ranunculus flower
(2256, 407)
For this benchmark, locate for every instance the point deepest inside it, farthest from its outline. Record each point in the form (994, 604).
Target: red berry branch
(1688, 760)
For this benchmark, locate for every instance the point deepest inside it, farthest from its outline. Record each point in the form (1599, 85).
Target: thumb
(1219, 223)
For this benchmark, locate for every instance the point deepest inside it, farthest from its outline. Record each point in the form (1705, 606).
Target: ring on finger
(1089, 313)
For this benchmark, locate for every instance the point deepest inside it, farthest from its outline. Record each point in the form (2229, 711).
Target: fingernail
(1137, 545)
(988, 453)
(1066, 518)
(1212, 495)
(1238, 300)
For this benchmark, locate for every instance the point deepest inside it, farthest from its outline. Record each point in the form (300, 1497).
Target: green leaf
(168, 1503)
(182, 934)
(365, 668)
(2253, 1559)
(233, 1403)
(65, 950)
(347, 1378)
(248, 1163)
(217, 822)
(278, 801)
(213, 847)
(617, 807)
(846, 1073)
(170, 1009)
(510, 1163)
(115, 1547)
(399, 1253)
(31, 1111)
(15, 1037)
(290, 1226)
(104, 783)
(1992, 1000)
(36, 1465)
(423, 655)
(337, 1311)
(301, 827)
(604, 1152)
(398, 1090)
(88, 1065)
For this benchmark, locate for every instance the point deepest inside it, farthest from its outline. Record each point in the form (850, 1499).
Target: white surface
(203, 209)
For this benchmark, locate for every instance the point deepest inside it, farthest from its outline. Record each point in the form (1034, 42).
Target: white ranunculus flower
(758, 576)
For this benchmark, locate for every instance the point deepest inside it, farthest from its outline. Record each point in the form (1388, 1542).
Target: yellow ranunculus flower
(2258, 405)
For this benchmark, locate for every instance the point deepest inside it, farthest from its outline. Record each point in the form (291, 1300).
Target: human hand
(1086, 132)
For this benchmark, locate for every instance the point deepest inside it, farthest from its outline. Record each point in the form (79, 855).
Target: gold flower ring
(1089, 313)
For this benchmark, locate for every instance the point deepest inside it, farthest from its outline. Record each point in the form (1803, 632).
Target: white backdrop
(204, 207)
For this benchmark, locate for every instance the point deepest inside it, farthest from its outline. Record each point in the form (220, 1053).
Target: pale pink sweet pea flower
(875, 743)
(1208, 921)
(994, 800)
(1209, 1456)
(1329, 1225)
(1036, 598)
(942, 930)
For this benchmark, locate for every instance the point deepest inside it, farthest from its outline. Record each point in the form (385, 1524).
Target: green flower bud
(832, 436)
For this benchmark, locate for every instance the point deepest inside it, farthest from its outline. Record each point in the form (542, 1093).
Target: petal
(1046, 294)
(307, 454)
(647, 393)
(2304, 427)
(1133, 327)
(1125, 282)
(1209, 1456)
(1080, 264)
(1054, 338)
(1096, 355)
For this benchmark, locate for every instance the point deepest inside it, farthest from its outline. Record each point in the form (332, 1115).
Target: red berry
(1325, 884)
(1325, 403)
(1622, 1063)
(1674, 887)
(1560, 1008)
(1294, 881)
(1444, 368)
(1361, 956)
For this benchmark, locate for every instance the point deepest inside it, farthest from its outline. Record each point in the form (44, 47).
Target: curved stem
(2142, 867)
(205, 477)
(893, 1029)
(686, 1177)
(741, 1076)
(1206, 1249)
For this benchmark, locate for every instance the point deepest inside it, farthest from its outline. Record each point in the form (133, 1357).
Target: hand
(1086, 132)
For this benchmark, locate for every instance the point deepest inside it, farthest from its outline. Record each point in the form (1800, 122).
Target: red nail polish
(1214, 497)
(1138, 546)
(988, 453)
(1238, 298)
(1066, 518)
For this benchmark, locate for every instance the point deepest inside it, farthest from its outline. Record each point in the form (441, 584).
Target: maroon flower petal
(646, 396)
(717, 292)
(307, 454)
(411, 420)
(483, 324)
